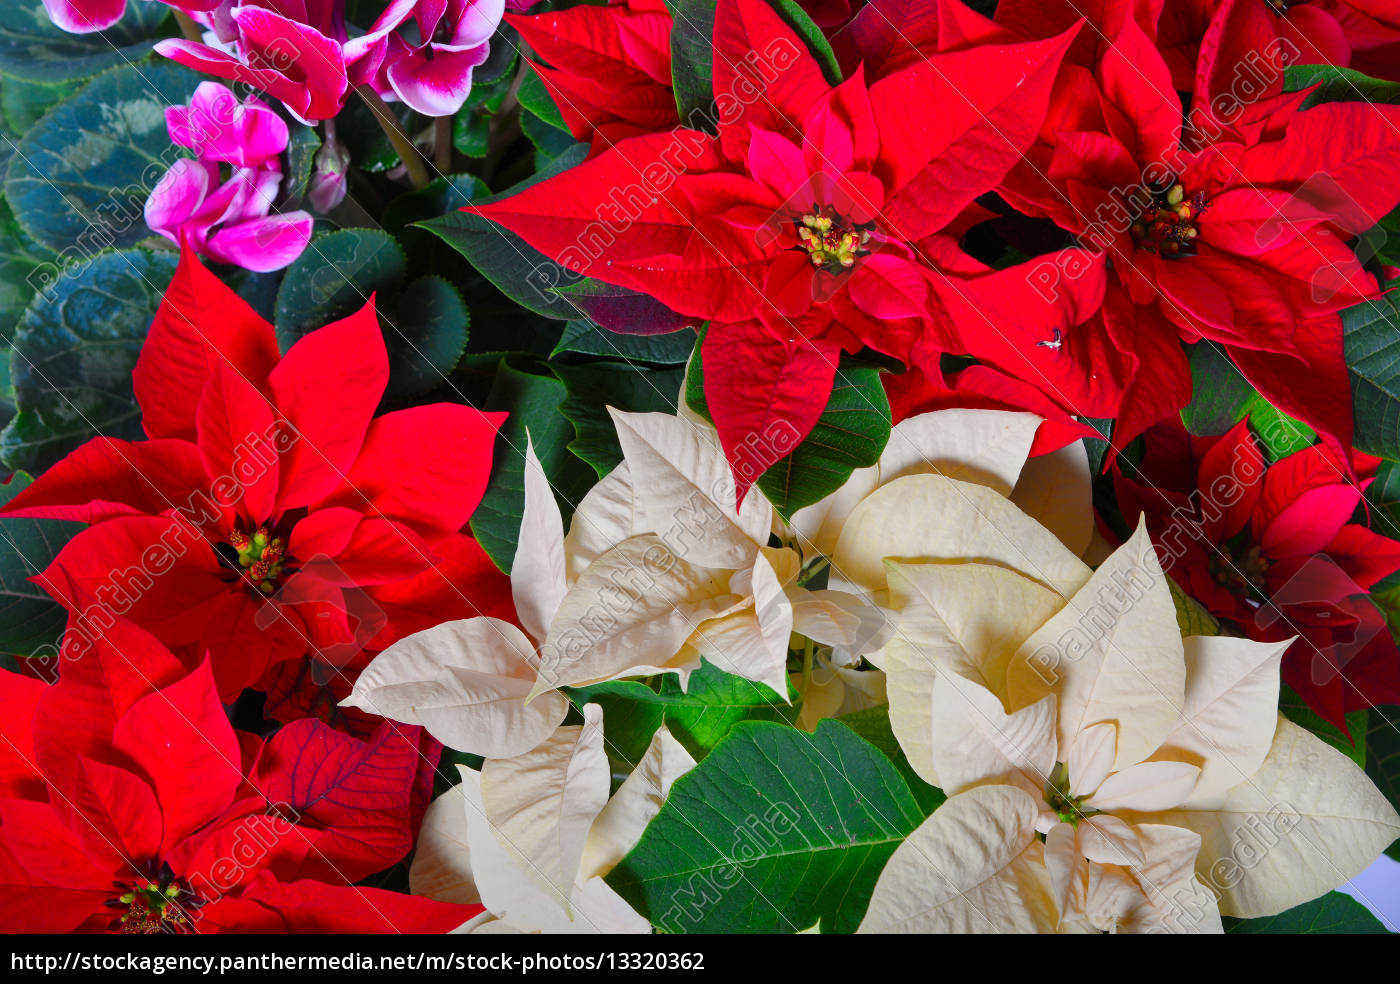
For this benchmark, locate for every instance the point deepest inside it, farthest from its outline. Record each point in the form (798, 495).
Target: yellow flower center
(830, 241)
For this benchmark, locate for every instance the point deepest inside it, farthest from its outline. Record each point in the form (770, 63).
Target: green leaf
(1191, 616)
(29, 619)
(1221, 397)
(425, 337)
(23, 103)
(1383, 757)
(692, 61)
(74, 350)
(518, 270)
(32, 48)
(1296, 710)
(79, 180)
(700, 717)
(873, 724)
(302, 149)
(595, 386)
(471, 128)
(851, 433)
(1372, 334)
(535, 99)
(21, 260)
(551, 142)
(774, 830)
(1384, 496)
(334, 278)
(586, 338)
(1338, 85)
(439, 196)
(533, 402)
(799, 20)
(1335, 912)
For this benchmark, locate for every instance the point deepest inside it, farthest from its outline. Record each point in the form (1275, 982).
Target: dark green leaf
(24, 268)
(29, 619)
(850, 434)
(1335, 912)
(517, 269)
(799, 20)
(73, 354)
(532, 402)
(594, 387)
(586, 338)
(1373, 356)
(32, 48)
(23, 103)
(426, 334)
(334, 278)
(79, 180)
(692, 60)
(775, 830)
(437, 197)
(1383, 755)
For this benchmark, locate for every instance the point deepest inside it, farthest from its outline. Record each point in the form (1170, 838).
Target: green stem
(442, 144)
(188, 27)
(807, 652)
(412, 160)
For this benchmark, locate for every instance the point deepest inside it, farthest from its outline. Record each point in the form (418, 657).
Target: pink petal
(262, 245)
(177, 196)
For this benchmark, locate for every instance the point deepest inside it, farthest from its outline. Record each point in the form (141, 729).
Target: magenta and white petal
(178, 196)
(262, 245)
(436, 86)
(85, 16)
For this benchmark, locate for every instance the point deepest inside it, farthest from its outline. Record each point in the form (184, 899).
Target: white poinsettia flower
(664, 569)
(951, 486)
(531, 837)
(1143, 760)
(468, 682)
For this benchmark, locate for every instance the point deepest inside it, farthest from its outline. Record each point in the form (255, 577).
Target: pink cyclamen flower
(299, 51)
(430, 69)
(296, 51)
(217, 127)
(229, 220)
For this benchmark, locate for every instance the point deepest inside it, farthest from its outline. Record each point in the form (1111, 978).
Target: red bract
(131, 805)
(608, 68)
(794, 230)
(1235, 231)
(271, 514)
(1273, 549)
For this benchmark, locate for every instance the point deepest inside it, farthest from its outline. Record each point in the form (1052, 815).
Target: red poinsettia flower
(131, 805)
(1235, 231)
(607, 68)
(794, 229)
(272, 514)
(1274, 549)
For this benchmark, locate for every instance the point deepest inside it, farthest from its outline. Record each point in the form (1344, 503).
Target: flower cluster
(230, 221)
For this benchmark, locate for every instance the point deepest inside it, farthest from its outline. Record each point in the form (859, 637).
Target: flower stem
(807, 652)
(412, 160)
(188, 27)
(442, 144)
